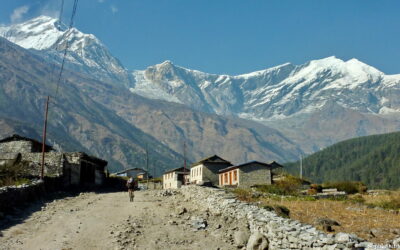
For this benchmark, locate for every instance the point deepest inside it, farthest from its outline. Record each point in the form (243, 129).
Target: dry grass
(353, 217)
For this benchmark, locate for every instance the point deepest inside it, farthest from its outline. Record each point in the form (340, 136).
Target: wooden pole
(184, 162)
(46, 111)
(147, 165)
(301, 166)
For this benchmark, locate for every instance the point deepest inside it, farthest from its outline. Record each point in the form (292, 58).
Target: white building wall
(196, 174)
(170, 181)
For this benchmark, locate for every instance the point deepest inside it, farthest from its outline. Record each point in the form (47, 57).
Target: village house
(206, 170)
(138, 173)
(248, 174)
(175, 178)
(73, 168)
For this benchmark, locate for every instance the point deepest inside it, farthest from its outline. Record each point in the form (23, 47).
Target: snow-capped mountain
(48, 37)
(277, 92)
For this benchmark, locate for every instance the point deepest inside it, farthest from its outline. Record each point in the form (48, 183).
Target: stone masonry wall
(265, 226)
(254, 174)
(16, 146)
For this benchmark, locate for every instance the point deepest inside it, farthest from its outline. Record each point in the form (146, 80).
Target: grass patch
(243, 194)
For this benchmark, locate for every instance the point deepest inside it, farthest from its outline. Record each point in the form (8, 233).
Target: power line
(68, 32)
(61, 12)
(58, 81)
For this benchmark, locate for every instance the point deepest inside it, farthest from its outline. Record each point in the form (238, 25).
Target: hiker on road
(130, 184)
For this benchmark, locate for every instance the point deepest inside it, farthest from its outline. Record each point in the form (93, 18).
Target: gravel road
(110, 221)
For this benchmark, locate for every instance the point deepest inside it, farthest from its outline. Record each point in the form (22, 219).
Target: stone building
(73, 168)
(175, 178)
(206, 170)
(248, 174)
(133, 172)
(20, 144)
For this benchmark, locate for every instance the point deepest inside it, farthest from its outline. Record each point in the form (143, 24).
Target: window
(235, 175)
(226, 178)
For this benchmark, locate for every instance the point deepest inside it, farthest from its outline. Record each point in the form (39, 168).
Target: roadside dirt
(110, 221)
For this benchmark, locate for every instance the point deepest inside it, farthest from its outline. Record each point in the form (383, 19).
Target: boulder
(241, 237)
(257, 241)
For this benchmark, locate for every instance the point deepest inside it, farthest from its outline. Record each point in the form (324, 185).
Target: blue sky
(232, 36)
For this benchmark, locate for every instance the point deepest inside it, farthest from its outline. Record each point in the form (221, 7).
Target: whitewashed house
(175, 178)
(206, 170)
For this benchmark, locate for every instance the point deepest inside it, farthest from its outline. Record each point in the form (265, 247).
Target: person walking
(130, 184)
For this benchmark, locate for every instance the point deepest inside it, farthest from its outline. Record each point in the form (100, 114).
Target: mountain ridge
(290, 98)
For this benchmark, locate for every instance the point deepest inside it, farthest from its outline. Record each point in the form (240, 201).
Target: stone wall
(266, 227)
(14, 196)
(254, 174)
(16, 146)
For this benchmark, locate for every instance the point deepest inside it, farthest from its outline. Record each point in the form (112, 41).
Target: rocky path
(110, 221)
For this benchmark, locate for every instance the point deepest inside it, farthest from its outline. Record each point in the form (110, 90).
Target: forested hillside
(374, 160)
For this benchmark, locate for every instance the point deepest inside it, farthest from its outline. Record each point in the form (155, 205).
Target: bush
(13, 172)
(290, 185)
(312, 191)
(350, 187)
(316, 187)
(281, 211)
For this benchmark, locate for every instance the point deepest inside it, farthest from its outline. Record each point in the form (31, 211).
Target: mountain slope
(104, 118)
(270, 94)
(74, 118)
(374, 160)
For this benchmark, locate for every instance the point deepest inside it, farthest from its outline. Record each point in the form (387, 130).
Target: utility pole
(147, 165)
(46, 111)
(301, 166)
(184, 162)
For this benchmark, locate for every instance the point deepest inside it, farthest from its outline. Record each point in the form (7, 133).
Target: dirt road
(110, 221)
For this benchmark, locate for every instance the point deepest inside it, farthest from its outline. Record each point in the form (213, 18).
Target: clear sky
(232, 36)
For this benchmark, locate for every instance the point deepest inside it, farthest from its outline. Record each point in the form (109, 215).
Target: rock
(172, 222)
(199, 223)
(393, 231)
(342, 237)
(241, 237)
(257, 241)
(181, 211)
(396, 242)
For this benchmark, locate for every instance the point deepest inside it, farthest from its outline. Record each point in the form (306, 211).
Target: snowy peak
(277, 92)
(42, 33)
(49, 37)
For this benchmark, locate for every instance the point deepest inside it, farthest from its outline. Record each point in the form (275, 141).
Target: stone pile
(268, 229)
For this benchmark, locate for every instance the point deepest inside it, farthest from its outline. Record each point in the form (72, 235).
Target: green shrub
(290, 185)
(350, 187)
(281, 211)
(392, 204)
